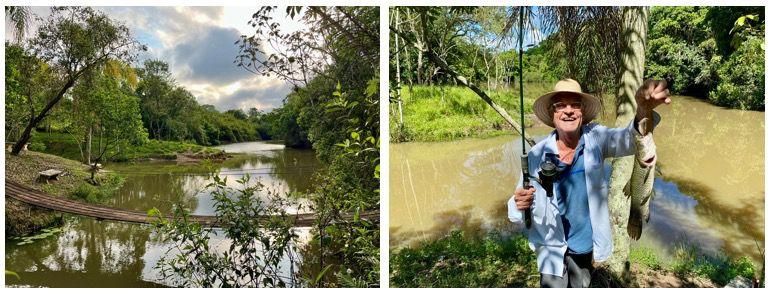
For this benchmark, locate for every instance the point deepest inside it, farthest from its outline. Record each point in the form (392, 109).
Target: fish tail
(634, 224)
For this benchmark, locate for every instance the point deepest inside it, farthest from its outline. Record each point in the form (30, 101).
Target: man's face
(567, 112)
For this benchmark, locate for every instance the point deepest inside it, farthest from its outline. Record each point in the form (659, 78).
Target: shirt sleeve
(617, 142)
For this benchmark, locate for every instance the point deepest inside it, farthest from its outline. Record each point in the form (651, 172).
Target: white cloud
(198, 45)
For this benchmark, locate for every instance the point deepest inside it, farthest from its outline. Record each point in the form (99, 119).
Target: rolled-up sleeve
(617, 142)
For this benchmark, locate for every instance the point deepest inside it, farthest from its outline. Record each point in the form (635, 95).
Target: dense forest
(713, 53)
(149, 100)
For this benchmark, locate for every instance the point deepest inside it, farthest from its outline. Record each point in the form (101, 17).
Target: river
(91, 253)
(710, 193)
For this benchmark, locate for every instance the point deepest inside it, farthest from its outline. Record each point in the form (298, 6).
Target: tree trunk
(399, 78)
(27, 134)
(630, 78)
(88, 145)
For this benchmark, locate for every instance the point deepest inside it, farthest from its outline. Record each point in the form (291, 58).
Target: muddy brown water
(710, 193)
(92, 253)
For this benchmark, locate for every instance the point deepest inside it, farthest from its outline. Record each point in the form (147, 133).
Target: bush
(107, 186)
(741, 78)
(261, 233)
(36, 146)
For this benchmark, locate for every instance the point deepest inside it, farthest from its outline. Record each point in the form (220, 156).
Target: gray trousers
(577, 273)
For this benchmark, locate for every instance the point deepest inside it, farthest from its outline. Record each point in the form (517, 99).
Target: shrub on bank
(107, 186)
(741, 78)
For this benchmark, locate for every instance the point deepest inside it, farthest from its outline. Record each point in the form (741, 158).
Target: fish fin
(626, 189)
(647, 214)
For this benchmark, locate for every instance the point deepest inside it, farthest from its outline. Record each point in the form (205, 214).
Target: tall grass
(442, 113)
(458, 260)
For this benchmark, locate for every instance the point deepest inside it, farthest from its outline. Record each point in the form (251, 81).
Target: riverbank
(444, 113)
(22, 219)
(64, 145)
(459, 260)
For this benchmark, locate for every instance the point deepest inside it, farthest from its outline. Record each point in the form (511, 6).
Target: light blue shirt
(546, 235)
(571, 193)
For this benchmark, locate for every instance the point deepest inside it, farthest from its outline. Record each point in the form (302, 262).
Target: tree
(681, 50)
(112, 79)
(630, 78)
(27, 80)
(154, 91)
(109, 110)
(73, 41)
(20, 17)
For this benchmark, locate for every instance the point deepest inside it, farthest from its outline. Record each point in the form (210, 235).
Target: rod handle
(527, 212)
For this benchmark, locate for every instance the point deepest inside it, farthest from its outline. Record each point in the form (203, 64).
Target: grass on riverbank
(64, 145)
(457, 260)
(443, 113)
(22, 219)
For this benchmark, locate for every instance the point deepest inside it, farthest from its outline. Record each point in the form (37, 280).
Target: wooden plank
(41, 199)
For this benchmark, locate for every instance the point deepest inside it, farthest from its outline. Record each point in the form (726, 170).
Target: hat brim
(590, 107)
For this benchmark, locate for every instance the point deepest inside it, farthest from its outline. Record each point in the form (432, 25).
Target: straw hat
(590, 104)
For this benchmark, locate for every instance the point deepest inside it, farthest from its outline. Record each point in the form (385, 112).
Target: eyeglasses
(560, 106)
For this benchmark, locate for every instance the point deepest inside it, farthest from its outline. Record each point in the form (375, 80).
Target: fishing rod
(524, 156)
(547, 169)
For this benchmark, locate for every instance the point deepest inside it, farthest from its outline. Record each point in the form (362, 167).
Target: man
(572, 228)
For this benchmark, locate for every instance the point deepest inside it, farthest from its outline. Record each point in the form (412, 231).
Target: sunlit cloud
(198, 45)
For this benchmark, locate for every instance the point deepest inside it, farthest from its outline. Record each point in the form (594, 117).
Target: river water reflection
(91, 253)
(710, 193)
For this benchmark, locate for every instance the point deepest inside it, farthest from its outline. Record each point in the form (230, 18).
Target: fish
(640, 188)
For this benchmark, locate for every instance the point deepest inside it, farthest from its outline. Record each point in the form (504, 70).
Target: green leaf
(321, 273)
(154, 212)
(13, 274)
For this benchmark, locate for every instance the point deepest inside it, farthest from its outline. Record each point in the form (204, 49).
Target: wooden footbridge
(41, 199)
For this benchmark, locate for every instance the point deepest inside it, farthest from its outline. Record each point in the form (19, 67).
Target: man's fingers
(661, 94)
(661, 85)
(650, 86)
(524, 202)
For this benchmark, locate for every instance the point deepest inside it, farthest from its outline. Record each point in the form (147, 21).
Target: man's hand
(650, 95)
(524, 198)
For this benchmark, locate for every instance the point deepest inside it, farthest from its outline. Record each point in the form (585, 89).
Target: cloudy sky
(197, 42)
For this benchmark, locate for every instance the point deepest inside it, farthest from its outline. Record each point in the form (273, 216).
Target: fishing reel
(548, 174)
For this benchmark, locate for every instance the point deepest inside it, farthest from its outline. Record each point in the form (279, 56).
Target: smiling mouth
(568, 119)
